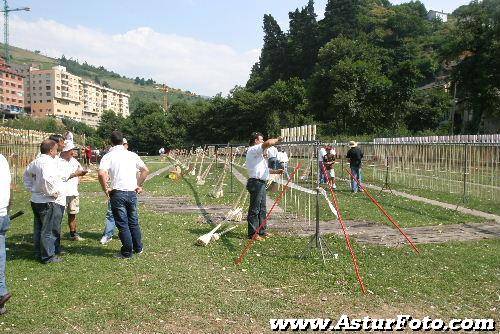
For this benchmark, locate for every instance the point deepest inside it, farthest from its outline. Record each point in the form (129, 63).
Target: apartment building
(97, 99)
(56, 92)
(11, 90)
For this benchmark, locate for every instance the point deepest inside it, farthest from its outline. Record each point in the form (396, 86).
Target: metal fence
(467, 169)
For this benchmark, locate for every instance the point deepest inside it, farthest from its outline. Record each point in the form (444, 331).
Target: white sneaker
(105, 239)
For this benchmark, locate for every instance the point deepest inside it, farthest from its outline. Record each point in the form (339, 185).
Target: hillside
(138, 92)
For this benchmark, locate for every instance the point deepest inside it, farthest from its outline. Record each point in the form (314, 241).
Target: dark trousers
(124, 208)
(356, 171)
(47, 229)
(257, 210)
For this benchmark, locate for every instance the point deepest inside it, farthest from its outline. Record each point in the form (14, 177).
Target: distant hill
(140, 89)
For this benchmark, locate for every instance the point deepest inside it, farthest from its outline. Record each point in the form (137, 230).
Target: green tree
(341, 18)
(109, 122)
(474, 46)
(272, 64)
(303, 43)
(428, 109)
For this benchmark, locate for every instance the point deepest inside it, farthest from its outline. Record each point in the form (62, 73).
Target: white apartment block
(97, 99)
(58, 93)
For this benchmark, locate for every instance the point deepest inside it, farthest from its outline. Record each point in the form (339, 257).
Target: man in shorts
(70, 165)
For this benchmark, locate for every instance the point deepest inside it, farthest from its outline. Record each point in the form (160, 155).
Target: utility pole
(6, 10)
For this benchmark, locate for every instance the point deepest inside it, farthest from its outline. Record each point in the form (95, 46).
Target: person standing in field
(5, 203)
(119, 167)
(70, 165)
(355, 155)
(258, 173)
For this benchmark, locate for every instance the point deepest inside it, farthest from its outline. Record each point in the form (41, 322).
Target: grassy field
(177, 287)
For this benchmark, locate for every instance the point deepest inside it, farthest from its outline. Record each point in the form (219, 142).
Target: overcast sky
(203, 46)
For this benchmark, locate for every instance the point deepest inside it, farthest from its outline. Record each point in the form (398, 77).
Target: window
(48, 101)
(58, 88)
(7, 99)
(6, 75)
(47, 93)
(20, 101)
(19, 86)
(47, 87)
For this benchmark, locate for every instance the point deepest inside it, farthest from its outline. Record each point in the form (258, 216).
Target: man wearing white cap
(70, 165)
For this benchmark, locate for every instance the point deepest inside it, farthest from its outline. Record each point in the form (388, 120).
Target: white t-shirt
(282, 157)
(272, 152)
(321, 154)
(256, 164)
(71, 166)
(45, 181)
(122, 166)
(5, 179)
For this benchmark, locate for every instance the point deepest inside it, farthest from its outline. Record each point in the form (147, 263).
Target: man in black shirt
(355, 155)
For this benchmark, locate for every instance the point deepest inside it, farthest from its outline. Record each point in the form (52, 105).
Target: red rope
(344, 229)
(276, 202)
(379, 206)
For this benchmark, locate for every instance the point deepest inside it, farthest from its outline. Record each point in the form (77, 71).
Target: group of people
(263, 159)
(53, 178)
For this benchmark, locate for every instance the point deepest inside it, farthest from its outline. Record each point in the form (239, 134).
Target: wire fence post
(464, 198)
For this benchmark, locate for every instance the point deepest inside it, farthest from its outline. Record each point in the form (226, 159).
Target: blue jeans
(322, 177)
(356, 171)
(47, 229)
(109, 229)
(124, 208)
(4, 226)
(257, 210)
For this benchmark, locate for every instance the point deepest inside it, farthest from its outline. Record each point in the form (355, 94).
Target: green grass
(175, 286)
(483, 203)
(406, 212)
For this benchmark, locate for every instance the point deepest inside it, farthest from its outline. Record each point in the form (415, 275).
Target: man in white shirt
(120, 166)
(272, 157)
(68, 164)
(283, 161)
(45, 181)
(258, 173)
(5, 201)
(109, 225)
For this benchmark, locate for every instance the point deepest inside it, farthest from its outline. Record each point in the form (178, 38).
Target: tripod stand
(316, 240)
